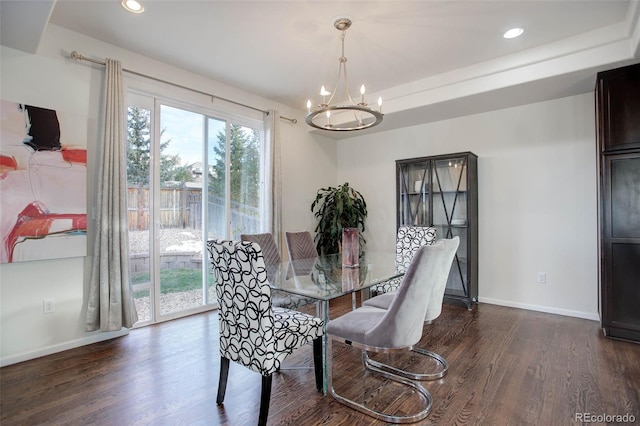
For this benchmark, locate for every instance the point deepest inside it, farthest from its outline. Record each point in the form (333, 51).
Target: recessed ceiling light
(133, 6)
(513, 33)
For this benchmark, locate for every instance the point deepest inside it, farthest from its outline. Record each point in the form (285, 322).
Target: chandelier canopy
(348, 117)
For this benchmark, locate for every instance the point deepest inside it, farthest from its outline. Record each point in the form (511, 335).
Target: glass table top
(324, 277)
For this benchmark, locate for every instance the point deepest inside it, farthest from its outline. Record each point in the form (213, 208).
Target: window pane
(246, 182)
(216, 202)
(138, 155)
(181, 149)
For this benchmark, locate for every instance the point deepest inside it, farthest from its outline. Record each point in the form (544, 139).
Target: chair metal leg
(370, 364)
(265, 397)
(426, 396)
(222, 383)
(317, 362)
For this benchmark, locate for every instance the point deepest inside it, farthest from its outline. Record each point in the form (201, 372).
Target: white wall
(308, 165)
(48, 79)
(537, 197)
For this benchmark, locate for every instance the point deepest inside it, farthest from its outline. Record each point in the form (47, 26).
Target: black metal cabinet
(618, 107)
(442, 191)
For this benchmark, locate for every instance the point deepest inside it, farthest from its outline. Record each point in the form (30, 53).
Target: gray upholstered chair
(300, 245)
(267, 243)
(434, 308)
(408, 240)
(302, 252)
(253, 333)
(272, 261)
(398, 328)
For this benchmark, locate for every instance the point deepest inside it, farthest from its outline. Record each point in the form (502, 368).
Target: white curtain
(274, 189)
(110, 305)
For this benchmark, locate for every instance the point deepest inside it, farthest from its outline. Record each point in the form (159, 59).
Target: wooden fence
(179, 207)
(182, 208)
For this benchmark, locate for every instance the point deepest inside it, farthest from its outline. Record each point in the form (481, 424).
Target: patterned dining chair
(272, 261)
(408, 240)
(396, 329)
(253, 333)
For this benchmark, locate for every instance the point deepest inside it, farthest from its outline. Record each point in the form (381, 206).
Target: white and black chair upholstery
(398, 328)
(252, 332)
(408, 240)
(272, 262)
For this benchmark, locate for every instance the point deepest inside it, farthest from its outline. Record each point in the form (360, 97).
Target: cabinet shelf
(453, 191)
(414, 194)
(449, 192)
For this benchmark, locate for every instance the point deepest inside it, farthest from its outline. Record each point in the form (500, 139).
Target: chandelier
(348, 117)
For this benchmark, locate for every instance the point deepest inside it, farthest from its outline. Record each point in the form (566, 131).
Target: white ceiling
(421, 56)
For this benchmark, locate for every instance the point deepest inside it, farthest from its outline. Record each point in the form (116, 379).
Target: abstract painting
(43, 180)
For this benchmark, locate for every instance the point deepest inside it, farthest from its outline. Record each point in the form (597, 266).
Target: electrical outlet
(542, 277)
(48, 306)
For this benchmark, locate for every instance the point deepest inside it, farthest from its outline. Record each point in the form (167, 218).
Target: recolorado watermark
(604, 418)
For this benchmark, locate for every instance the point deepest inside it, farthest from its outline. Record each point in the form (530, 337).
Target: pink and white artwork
(43, 180)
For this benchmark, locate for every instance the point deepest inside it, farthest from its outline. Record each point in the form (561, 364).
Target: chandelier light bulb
(380, 103)
(362, 90)
(309, 106)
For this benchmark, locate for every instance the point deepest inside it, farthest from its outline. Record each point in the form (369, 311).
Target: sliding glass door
(236, 190)
(191, 176)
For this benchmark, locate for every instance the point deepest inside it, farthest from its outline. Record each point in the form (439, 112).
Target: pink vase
(350, 279)
(350, 247)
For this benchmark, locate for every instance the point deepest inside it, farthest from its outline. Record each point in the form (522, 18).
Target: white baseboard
(547, 309)
(92, 338)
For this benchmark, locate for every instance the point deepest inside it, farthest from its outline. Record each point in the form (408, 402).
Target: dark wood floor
(508, 366)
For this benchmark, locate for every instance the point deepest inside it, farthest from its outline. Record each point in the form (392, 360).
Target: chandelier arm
(346, 86)
(335, 87)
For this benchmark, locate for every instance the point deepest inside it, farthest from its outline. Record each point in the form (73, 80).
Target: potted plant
(337, 208)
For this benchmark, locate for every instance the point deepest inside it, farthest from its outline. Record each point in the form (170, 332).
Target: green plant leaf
(337, 208)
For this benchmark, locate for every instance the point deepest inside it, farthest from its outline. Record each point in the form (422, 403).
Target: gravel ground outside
(172, 302)
(171, 239)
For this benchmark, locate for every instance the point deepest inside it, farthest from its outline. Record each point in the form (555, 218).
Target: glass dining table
(323, 278)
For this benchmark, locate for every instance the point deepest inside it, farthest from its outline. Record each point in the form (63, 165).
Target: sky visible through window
(185, 130)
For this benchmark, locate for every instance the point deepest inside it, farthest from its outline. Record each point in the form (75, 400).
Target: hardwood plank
(507, 366)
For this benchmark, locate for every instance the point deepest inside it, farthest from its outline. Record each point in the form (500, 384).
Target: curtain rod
(78, 57)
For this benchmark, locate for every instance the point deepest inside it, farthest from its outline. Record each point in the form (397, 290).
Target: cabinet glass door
(414, 187)
(450, 215)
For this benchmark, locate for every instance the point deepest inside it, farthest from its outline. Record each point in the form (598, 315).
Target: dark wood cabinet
(618, 108)
(618, 103)
(442, 191)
